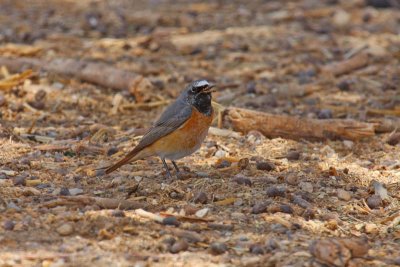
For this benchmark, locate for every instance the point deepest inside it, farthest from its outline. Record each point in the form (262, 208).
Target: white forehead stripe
(202, 83)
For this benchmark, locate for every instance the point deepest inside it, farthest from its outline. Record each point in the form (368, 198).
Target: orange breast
(186, 139)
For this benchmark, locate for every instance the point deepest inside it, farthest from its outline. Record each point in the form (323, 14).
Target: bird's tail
(123, 161)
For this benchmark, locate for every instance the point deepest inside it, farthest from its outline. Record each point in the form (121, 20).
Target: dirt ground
(245, 199)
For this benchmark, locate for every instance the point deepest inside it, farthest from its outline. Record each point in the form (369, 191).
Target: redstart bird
(179, 131)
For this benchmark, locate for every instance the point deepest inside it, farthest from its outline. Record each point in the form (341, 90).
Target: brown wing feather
(162, 127)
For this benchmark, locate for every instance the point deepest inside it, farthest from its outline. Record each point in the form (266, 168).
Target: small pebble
(179, 246)
(325, 114)
(220, 227)
(25, 161)
(243, 238)
(271, 244)
(278, 228)
(251, 88)
(8, 225)
(305, 195)
(200, 197)
(371, 228)
(394, 139)
(343, 195)
(220, 154)
(242, 180)
(171, 220)
(269, 180)
(190, 209)
(169, 240)
(202, 213)
(112, 150)
(301, 202)
(286, 209)
(223, 164)
(265, 166)
(218, 248)
(293, 155)
(238, 202)
(159, 84)
(274, 208)
(75, 191)
(19, 180)
(274, 191)
(292, 179)
(341, 18)
(257, 249)
(118, 213)
(309, 214)
(374, 202)
(307, 187)
(344, 85)
(37, 104)
(65, 229)
(58, 85)
(12, 205)
(40, 95)
(100, 172)
(260, 207)
(64, 191)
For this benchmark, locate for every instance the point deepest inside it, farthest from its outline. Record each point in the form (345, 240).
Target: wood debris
(271, 125)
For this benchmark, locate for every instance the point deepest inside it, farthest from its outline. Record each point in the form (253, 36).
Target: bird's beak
(209, 89)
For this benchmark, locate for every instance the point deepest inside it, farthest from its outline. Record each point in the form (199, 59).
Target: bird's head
(199, 95)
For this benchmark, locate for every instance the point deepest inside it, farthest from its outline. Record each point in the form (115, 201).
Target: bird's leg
(166, 168)
(175, 166)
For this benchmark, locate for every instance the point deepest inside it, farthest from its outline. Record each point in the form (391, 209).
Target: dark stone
(293, 155)
(242, 180)
(274, 191)
(223, 164)
(260, 207)
(200, 197)
(218, 248)
(258, 249)
(118, 213)
(19, 180)
(112, 150)
(325, 114)
(265, 166)
(8, 225)
(179, 246)
(171, 220)
(64, 191)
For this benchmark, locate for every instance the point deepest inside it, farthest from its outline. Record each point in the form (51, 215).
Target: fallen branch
(149, 215)
(96, 73)
(244, 120)
(104, 203)
(14, 80)
(346, 66)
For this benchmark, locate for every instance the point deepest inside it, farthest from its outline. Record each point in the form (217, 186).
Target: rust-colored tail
(123, 161)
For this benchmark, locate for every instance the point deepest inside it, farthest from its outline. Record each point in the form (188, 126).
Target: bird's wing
(165, 125)
(172, 118)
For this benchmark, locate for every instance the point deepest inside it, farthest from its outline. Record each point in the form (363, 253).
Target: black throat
(202, 103)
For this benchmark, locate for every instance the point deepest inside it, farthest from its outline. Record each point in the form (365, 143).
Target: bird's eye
(199, 85)
(196, 89)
